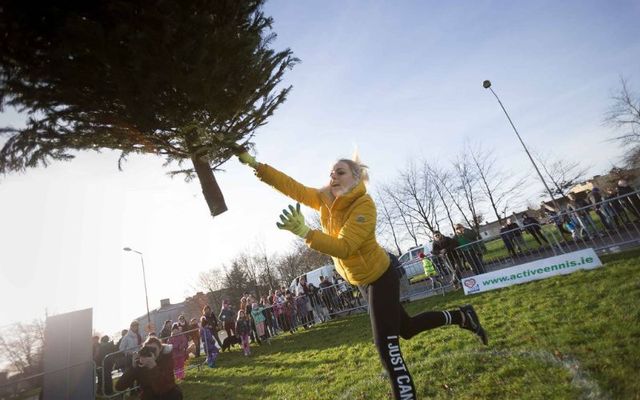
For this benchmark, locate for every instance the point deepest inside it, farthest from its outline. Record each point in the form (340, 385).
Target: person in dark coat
(602, 208)
(630, 201)
(506, 237)
(152, 368)
(195, 335)
(228, 318)
(579, 211)
(620, 217)
(470, 248)
(445, 247)
(212, 323)
(515, 233)
(165, 333)
(105, 361)
(532, 227)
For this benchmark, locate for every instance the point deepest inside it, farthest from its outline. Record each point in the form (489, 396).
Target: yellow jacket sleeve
(359, 227)
(289, 186)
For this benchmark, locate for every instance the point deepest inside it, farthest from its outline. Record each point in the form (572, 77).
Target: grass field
(568, 337)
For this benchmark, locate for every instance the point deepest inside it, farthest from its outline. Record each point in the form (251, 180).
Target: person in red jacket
(153, 370)
(348, 219)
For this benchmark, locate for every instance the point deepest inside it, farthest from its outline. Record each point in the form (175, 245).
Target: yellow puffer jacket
(348, 226)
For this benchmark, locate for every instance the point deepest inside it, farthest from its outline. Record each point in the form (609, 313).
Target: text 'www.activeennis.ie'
(569, 264)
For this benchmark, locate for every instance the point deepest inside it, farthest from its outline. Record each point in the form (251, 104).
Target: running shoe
(471, 322)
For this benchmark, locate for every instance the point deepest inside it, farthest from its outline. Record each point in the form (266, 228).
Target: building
(609, 180)
(159, 315)
(191, 307)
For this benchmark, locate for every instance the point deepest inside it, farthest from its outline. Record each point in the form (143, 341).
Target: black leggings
(389, 321)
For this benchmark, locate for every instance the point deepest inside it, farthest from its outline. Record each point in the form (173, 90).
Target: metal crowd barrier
(415, 284)
(608, 225)
(508, 248)
(19, 388)
(319, 306)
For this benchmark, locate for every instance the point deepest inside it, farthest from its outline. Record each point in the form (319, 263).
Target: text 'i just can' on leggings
(389, 322)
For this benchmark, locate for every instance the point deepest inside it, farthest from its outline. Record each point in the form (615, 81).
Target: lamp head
(486, 84)
(127, 249)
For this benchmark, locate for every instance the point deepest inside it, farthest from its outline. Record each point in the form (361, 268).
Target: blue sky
(401, 81)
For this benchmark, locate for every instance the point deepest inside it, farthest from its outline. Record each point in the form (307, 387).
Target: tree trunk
(210, 189)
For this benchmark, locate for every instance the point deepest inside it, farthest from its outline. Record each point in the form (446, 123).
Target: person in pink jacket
(180, 344)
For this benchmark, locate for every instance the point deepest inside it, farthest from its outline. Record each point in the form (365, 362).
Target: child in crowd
(278, 309)
(572, 227)
(209, 342)
(183, 324)
(179, 352)
(226, 316)
(269, 316)
(243, 329)
(290, 312)
(194, 335)
(259, 320)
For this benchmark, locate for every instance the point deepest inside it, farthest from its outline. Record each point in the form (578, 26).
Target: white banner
(532, 271)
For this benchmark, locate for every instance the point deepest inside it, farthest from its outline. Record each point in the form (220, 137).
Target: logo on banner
(472, 285)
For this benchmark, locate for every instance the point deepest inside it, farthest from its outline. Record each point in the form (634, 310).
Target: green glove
(248, 159)
(293, 221)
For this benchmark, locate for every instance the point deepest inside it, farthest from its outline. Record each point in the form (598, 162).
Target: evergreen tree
(185, 80)
(236, 282)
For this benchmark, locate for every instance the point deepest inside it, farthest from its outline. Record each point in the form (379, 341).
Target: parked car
(411, 261)
(414, 253)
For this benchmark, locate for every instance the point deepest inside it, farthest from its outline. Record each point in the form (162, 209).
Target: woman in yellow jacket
(348, 218)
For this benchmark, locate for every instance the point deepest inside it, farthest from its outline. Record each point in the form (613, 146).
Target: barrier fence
(608, 225)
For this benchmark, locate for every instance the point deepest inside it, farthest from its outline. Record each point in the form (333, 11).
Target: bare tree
(415, 193)
(624, 116)
(445, 181)
(500, 187)
(214, 285)
(563, 174)
(288, 267)
(267, 274)
(403, 212)
(21, 346)
(467, 186)
(247, 263)
(211, 280)
(387, 216)
(441, 191)
(308, 258)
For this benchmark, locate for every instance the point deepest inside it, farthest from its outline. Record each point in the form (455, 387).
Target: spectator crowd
(157, 362)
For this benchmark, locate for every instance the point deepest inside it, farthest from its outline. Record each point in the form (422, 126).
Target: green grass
(567, 337)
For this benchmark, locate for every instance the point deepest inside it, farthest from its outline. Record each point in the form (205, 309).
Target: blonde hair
(359, 170)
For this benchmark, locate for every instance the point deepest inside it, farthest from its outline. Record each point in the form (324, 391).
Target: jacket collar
(344, 201)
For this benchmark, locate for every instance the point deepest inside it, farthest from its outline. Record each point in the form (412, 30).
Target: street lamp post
(487, 85)
(144, 279)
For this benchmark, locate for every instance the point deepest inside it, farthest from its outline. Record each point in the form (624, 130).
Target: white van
(314, 276)
(413, 253)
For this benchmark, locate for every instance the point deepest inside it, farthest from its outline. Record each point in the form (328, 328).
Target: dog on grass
(229, 341)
